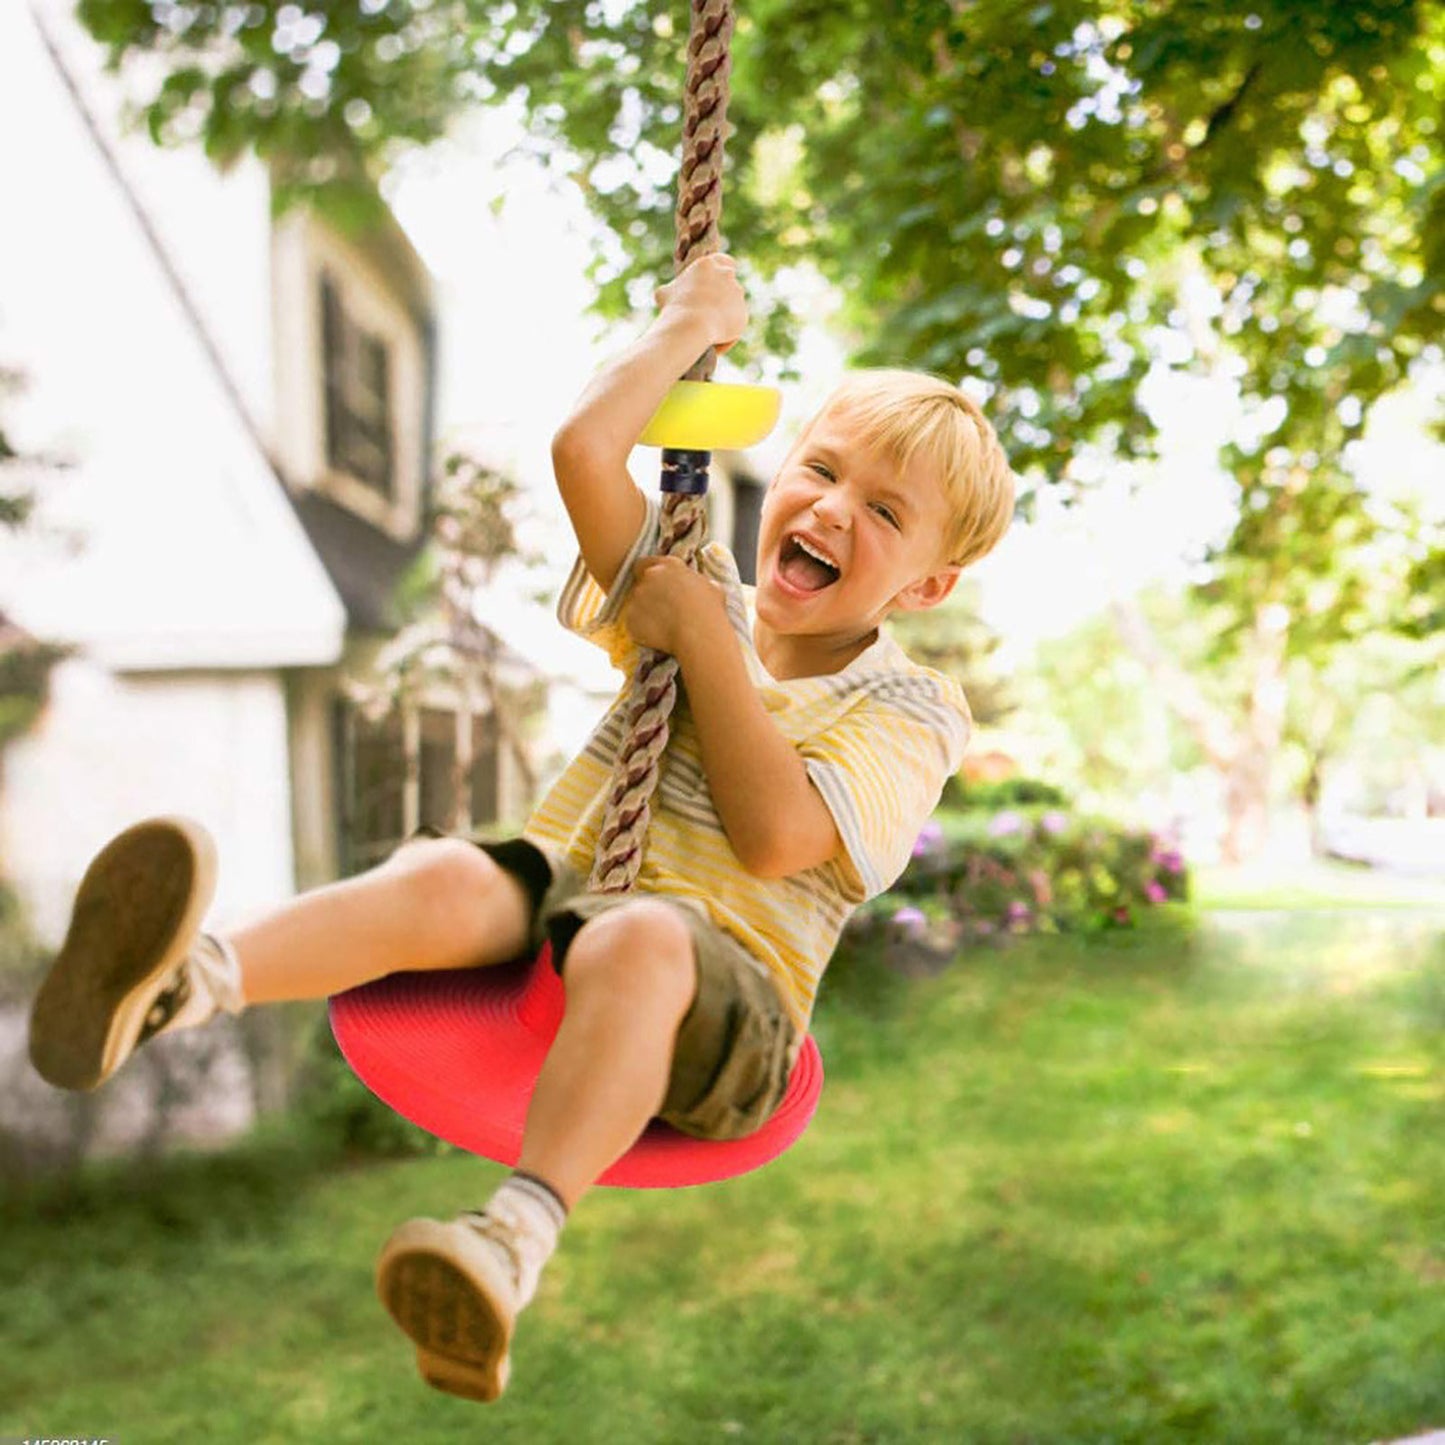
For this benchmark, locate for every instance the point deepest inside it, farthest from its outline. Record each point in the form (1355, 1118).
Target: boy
(806, 753)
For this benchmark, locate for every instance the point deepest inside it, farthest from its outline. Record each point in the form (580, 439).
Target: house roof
(259, 573)
(363, 562)
(12, 635)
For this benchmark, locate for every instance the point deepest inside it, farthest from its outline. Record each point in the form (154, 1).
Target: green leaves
(1025, 869)
(1029, 197)
(1424, 610)
(282, 80)
(942, 158)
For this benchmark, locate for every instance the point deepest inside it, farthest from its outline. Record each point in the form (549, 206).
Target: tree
(1019, 196)
(1052, 199)
(1091, 717)
(1105, 722)
(442, 644)
(25, 662)
(1374, 706)
(954, 639)
(1256, 192)
(1422, 610)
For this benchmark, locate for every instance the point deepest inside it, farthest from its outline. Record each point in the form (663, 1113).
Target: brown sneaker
(121, 977)
(456, 1289)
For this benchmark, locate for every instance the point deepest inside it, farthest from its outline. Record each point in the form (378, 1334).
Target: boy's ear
(928, 591)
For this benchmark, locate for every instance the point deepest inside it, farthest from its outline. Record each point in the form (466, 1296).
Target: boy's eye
(823, 470)
(888, 515)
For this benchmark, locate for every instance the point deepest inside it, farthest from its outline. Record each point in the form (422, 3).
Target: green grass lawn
(1312, 883)
(1160, 1187)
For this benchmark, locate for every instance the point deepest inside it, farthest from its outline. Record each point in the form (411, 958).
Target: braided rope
(699, 182)
(684, 519)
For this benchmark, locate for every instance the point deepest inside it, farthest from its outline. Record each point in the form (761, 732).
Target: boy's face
(845, 539)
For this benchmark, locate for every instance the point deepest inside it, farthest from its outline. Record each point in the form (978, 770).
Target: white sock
(531, 1217)
(216, 971)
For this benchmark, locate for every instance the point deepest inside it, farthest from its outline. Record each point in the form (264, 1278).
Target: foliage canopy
(1049, 197)
(1023, 193)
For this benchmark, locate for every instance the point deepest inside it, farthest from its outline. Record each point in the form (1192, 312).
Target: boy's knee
(645, 944)
(443, 871)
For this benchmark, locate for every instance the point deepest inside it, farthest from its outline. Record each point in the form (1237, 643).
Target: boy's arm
(702, 307)
(774, 818)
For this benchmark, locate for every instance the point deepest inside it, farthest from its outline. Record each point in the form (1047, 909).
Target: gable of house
(247, 406)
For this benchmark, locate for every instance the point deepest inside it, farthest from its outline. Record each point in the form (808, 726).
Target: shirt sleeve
(584, 608)
(880, 769)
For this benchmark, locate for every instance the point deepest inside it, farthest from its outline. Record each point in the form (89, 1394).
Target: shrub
(22, 959)
(341, 1113)
(979, 875)
(959, 795)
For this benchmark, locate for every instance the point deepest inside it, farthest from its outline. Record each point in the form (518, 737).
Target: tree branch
(1208, 727)
(1225, 113)
(1176, 153)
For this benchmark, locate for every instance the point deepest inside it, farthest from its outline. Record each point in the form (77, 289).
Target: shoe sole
(445, 1304)
(137, 911)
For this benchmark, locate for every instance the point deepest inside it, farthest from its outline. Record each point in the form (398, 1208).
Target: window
(447, 779)
(747, 518)
(353, 352)
(372, 784)
(426, 765)
(357, 368)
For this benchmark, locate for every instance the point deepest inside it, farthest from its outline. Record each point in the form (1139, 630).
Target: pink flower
(1154, 893)
(928, 840)
(1054, 821)
(1121, 915)
(1019, 912)
(910, 922)
(1005, 823)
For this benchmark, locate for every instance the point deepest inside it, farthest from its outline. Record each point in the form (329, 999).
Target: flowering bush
(1022, 870)
(959, 796)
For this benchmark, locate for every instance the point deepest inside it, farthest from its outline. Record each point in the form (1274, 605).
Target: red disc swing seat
(458, 1051)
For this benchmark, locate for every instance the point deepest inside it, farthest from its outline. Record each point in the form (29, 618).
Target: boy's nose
(831, 511)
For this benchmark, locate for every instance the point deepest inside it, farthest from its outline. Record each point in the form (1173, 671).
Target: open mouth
(804, 566)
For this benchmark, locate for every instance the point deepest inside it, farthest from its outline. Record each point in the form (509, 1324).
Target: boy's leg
(133, 963)
(630, 980)
(456, 1288)
(435, 903)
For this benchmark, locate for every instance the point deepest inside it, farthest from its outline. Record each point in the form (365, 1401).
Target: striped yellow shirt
(878, 738)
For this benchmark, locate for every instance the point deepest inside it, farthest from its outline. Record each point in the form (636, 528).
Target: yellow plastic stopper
(707, 416)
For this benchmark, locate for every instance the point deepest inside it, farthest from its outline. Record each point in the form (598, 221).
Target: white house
(248, 409)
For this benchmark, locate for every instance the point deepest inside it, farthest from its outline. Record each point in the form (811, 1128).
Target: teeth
(815, 554)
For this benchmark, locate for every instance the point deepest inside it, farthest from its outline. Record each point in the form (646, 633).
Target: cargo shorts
(735, 1046)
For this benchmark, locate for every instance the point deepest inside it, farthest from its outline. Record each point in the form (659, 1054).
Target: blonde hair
(909, 414)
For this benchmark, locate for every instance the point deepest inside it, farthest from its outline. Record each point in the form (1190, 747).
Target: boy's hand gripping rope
(684, 473)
